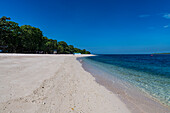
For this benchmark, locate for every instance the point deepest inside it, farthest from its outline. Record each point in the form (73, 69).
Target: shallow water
(124, 73)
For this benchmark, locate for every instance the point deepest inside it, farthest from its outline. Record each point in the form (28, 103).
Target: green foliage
(76, 50)
(71, 49)
(63, 48)
(9, 34)
(28, 39)
(31, 38)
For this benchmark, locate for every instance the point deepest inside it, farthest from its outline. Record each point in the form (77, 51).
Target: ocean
(148, 73)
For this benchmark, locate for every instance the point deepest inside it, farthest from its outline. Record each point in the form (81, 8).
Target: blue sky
(100, 26)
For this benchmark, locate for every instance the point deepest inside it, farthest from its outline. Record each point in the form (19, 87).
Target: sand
(52, 84)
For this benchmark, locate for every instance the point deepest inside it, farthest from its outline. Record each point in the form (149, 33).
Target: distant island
(28, 39)
(161, 53)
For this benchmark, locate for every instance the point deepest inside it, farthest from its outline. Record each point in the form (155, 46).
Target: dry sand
(52, 84)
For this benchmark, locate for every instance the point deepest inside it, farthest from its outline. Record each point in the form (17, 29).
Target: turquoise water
(150, 74)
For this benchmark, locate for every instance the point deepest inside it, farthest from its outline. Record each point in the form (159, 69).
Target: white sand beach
(52, 84)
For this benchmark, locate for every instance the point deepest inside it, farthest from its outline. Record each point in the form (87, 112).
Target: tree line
(28, 39)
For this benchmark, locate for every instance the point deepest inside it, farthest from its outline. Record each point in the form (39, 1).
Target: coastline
(52, 83)
(136, 100)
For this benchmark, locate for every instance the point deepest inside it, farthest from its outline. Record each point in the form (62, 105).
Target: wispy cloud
(167, 16)
(143, 16)
(166, 26)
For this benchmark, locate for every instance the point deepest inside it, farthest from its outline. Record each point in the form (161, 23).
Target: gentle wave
(151, 74)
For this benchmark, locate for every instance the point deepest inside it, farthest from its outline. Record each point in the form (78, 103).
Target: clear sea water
(150, 74)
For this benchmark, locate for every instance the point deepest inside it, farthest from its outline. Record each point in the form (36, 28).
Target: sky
(100, 26)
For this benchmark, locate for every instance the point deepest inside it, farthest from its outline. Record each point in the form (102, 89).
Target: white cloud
(167, 16)
(166, 26)
(143, 16)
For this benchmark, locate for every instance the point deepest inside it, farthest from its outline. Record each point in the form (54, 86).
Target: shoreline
(22, 54)
(56, 83)
(136, 100)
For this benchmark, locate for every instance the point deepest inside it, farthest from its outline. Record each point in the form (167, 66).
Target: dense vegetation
(28, 39)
